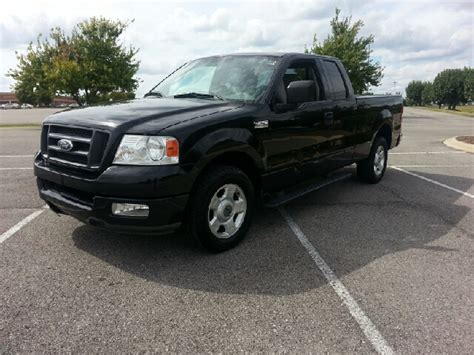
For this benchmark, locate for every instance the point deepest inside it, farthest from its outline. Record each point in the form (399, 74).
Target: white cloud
(220, 19)
(413, 40)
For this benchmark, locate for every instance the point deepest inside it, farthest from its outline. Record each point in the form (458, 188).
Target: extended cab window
(338, 88)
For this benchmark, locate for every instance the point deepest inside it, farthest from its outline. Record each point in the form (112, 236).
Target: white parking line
(16, 168)
(435, 166)
(16, 156)
(435, 152)
(20, 225)
(365, 324)
(434, 182)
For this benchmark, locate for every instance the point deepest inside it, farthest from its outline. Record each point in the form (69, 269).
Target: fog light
(130, 210)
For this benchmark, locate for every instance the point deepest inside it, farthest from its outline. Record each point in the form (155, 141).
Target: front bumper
(399, 140)
(90, 200)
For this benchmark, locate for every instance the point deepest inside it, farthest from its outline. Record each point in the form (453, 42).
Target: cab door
(340, 114)
(293, 134)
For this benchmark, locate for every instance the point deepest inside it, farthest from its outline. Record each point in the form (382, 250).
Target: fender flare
(385, 117)
(223, 141)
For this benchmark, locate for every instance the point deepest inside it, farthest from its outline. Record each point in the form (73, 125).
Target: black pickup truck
(206, 143)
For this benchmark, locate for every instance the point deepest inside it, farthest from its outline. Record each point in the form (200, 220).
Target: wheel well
(240, 160)
(386, 132)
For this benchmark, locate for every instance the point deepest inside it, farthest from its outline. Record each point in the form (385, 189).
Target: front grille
(87, 151)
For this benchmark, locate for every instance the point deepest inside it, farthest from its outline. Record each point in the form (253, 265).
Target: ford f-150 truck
(206, 143)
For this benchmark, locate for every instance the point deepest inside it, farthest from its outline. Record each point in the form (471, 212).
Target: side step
(288, 195)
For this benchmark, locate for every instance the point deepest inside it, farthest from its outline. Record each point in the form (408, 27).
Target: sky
(414, 40)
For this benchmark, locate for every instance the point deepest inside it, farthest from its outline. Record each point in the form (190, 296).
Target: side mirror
(301, 91)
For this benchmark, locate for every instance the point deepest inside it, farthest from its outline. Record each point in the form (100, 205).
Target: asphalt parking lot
(351, 268)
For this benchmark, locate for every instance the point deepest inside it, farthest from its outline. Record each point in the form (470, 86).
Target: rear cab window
(337, 89)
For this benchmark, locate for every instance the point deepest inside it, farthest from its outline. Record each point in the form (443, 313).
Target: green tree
(469, 84)
(448, 87)
(65, 71)
(427, 95)
(91, 65)
(32, 84)
(414, 91)
(106, 65)
(353, 50)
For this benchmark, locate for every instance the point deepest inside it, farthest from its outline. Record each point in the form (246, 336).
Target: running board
(287, 196)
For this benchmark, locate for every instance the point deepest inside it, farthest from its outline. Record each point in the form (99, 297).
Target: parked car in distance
(209, 141)
(26, 106)
(13, 105)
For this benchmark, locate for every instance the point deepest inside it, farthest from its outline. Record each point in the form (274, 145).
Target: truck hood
(155, 113)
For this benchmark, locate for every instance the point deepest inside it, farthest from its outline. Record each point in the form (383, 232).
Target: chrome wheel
(227, 211)
(379, 160)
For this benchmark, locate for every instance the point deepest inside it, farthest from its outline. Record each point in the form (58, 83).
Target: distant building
(10, 98)
(63, 100)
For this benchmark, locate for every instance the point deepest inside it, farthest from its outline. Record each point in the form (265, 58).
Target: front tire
(222, 208)
(372, 169)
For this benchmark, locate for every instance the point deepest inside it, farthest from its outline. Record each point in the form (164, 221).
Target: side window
(338, 88)
(298, 71)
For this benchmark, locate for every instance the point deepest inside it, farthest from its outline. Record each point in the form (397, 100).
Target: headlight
(147, 150)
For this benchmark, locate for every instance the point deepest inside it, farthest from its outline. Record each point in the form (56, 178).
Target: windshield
(242, 78)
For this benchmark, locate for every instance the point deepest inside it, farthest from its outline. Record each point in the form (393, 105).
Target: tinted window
(296, 73)
(301, 71)
(335, 78)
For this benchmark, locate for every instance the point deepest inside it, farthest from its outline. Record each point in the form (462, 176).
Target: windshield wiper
(154, 93)
(198, 95)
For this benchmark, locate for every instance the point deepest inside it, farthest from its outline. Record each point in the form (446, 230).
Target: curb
(20, 125)
(454, 143)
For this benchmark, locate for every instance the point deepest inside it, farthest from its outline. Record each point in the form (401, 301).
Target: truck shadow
(351, 224)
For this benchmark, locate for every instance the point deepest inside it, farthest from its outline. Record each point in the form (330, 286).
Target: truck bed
(379, 100)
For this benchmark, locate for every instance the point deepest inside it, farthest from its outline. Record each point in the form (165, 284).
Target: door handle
(328, 118)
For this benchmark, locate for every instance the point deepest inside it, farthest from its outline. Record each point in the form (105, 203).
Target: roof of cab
(273, 54)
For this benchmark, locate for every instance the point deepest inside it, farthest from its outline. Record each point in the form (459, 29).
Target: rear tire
(372, 169)
(222, 208)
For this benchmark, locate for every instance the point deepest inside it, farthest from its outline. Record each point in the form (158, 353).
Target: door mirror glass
(301, 91)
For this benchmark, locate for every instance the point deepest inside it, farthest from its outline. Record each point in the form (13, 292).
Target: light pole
(394, 87)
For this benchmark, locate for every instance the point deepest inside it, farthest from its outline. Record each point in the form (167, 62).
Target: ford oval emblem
(65, 144)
